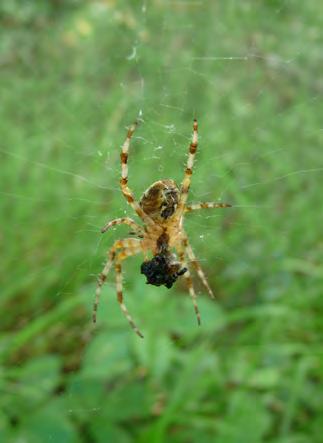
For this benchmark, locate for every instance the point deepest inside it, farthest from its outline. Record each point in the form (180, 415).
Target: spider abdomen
(160, 200)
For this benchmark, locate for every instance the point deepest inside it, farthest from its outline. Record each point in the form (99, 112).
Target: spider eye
(159, 272)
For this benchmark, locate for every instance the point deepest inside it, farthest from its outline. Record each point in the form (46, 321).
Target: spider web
(258, 109)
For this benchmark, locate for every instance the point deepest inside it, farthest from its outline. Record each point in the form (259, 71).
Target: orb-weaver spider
(161, 209)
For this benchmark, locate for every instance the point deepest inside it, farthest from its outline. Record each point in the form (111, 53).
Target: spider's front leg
(129, 246)
(182, 248)
(196, 265)
(119, 287)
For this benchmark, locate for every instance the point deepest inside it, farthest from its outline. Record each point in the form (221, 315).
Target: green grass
(73, 76)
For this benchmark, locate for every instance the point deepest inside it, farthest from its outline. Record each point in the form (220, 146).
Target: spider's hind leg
(123, 221)
(189, 170)
(126, 191)
(206, 205)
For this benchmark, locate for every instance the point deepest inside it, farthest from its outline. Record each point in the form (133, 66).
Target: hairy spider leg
(185, 186)
(123, 221)
(123, 307)
(126, 191)
(206, 205)
(196, 265)
(131, 246)
(189, 284)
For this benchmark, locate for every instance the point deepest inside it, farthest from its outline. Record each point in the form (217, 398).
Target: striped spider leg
(185, 248)
(126, 191)
(127, 252)
(189, 282)
(185, 186)
(206, 205)
(181, 245)
(123, 221)
(196, 265)
(182, 207)
(128, 247)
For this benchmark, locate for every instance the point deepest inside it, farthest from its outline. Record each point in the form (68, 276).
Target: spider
(161, 209)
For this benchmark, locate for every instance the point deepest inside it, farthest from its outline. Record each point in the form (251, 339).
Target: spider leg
(185, 186)
(101, 279)
(126, 191)
(206, 205)
(189, 284)
(125, 221)
(196, 265)
(120, 293)
(131, 246)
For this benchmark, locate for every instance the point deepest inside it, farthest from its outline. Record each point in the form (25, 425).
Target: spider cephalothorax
(161, 209)
(162, 270)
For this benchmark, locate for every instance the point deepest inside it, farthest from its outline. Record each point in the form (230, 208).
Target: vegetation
(73, 75)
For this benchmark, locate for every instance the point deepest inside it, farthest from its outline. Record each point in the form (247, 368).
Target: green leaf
(35, 382)
(265, 378)
(48, 424)
(107, 355)
(129, 401)
(104, 432)
(5, 428)
(155, 354)
(247, 420)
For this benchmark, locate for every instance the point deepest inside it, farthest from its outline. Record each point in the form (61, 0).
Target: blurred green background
(73, 76)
